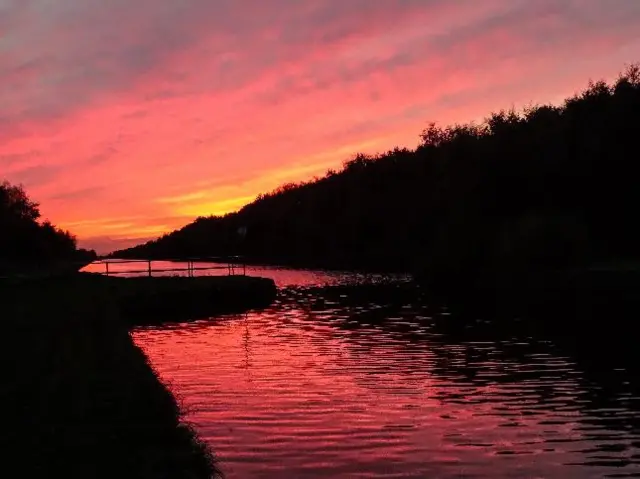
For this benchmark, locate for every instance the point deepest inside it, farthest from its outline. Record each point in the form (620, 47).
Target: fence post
(149, 268)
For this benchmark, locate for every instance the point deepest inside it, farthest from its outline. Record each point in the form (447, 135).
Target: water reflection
(328, 384)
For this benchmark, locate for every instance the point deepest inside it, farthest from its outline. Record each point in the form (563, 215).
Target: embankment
(79, 398)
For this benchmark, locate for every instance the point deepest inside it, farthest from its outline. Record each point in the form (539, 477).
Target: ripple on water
(316, 387)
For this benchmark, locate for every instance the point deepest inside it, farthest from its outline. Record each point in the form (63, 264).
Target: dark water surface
(322, 387)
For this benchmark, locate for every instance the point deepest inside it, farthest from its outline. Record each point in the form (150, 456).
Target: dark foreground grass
(79, 399)
(83, 402)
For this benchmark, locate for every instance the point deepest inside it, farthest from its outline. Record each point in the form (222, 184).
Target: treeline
(27, 241)
(545, 187)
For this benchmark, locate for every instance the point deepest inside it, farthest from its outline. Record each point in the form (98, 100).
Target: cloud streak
(166, 108)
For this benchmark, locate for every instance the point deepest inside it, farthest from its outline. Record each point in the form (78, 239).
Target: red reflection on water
(284, 394)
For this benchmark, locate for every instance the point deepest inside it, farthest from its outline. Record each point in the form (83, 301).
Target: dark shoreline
(82, 398)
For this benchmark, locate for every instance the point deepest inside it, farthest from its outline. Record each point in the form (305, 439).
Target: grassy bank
(80, 399)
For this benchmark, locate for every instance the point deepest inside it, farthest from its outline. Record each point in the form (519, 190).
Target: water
(320, 385)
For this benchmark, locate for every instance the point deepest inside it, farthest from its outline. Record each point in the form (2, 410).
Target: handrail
(231, 266)
(203, 259)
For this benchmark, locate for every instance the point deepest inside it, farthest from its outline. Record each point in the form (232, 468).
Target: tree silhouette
(546, 187)
(24, 240)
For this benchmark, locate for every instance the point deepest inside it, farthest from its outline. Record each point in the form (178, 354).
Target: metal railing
(234, 265)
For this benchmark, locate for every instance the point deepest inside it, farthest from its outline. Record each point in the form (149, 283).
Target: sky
(127, 119)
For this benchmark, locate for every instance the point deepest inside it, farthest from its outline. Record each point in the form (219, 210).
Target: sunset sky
(128, 118)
